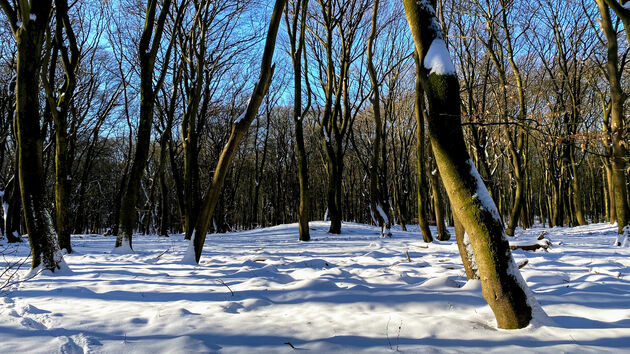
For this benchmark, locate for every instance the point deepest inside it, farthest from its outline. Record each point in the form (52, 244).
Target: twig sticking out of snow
(222, 282)
(161, 254)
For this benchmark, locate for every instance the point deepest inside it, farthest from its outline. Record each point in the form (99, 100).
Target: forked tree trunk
(30, 38)
(65, 44)
(502, 285)
(239, 128)
(297, 47)
(195, 49)
(147, 51)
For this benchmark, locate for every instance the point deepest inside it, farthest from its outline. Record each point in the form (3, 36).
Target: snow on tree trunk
(502, 286)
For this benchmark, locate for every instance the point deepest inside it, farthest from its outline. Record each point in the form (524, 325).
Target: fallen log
(543, 244)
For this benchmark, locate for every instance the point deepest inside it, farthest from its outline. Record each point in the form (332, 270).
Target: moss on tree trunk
(29, 37)
(501, 283)
(423, 200)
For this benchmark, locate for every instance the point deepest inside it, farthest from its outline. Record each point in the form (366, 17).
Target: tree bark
(239, 128)
(617, 128)
(30, 38)
(438, 205)
(502, 285)
(378, 196)
(297, 48)
(60, 107)
(147, 52)
(423, 199)
(14, 214)
(465, 250)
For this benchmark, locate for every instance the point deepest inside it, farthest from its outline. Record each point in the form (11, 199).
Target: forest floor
(263, 291)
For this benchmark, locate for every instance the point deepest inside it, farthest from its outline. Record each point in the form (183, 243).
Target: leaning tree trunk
(239, 128)
(29, 37)
(423, 200)
(502, 285)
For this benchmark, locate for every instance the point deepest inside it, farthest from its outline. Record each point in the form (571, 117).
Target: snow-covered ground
(263, 291)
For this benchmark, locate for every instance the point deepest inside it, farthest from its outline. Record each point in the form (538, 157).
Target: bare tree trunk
(61, 105)
(147, 51)
(423, 199)
(29, 37)
(164, 210)
(260, 170)
(297, 48)
(14, 202)
(612, 218)
(502, 285)
(617, 128)
(179, 185)
(239, 128)
(438, 205)
(465, 250)
(378, 196)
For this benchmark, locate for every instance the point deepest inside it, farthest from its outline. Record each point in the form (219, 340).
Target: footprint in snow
(68, 346)
(86, 342)
(32, 324)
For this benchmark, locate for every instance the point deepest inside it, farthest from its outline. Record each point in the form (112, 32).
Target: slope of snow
(255, 291)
